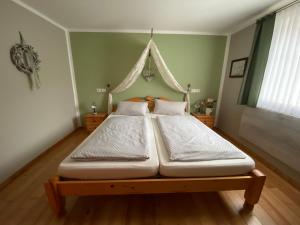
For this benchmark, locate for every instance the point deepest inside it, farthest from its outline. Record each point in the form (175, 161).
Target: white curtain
(131, 77)
(167, 75)
(136, 71)
(280, 91)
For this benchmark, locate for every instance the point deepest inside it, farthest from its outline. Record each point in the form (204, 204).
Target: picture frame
(238, 67)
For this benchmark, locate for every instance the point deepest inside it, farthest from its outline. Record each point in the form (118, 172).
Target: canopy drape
(136, 71)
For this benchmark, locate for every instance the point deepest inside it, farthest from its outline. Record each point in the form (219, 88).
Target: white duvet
(187, 139)
(118, 138)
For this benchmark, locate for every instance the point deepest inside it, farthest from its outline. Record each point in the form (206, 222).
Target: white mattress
(70, 168)
(186, 139)
(225, 167)
(159, 159)
(120, 138)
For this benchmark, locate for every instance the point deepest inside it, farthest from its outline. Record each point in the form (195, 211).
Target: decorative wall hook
(189, 87)
(27, 61)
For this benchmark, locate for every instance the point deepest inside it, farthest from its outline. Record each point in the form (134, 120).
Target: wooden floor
(24, 202)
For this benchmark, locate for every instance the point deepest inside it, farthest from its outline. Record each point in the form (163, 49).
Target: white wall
(32, 121)
(270, 135)
(230, 113)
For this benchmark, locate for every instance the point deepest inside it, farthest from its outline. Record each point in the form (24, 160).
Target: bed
(125, 178)
(109, 169)
(204, 168)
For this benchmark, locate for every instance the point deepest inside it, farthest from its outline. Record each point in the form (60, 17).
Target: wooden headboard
(149, 99)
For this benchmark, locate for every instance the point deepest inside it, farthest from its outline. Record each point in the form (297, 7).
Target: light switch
(101, 90)
(194, 90)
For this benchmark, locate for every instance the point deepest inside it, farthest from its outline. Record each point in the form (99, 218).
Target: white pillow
(169, 107)
(132, 108)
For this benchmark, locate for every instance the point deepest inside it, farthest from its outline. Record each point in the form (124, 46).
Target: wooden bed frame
(57, 188)
(149, 99)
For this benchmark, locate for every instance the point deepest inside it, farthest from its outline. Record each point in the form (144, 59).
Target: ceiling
(206, 16)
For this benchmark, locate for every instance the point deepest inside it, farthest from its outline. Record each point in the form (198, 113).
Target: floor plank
(23, 202)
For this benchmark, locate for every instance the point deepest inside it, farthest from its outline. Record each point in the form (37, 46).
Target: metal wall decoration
(26, 59)
(147, 72)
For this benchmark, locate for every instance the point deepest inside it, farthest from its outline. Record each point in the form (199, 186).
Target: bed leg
(56, 201)
(252, 193)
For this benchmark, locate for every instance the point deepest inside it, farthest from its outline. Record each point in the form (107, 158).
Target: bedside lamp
(93, 106)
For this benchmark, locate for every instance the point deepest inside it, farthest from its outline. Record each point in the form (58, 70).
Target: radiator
(277, 134)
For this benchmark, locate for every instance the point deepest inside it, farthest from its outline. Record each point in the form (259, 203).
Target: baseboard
(11, 178)
(269, 165)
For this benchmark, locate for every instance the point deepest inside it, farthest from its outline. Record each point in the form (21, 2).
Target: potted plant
(197, 107)
(208, 104)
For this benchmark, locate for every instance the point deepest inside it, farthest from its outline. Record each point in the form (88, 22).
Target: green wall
(101, 58)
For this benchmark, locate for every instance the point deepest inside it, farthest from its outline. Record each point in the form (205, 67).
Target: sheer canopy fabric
(136, 71)
(280, 91)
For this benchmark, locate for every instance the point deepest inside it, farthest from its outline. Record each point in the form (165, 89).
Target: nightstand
(208, 120)
(92, 121)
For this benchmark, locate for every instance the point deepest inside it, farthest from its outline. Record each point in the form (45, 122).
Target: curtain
(280, 89)
(131, 77)
(167, 75)
(258, 59)
(136, 71)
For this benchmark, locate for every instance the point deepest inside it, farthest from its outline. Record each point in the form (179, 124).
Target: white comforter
(118, 138)
(187, 139)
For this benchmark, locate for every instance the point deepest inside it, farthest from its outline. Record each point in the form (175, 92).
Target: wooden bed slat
(152, 186)
(56, 189)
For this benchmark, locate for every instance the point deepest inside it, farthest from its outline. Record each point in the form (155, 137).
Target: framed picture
(238, 67)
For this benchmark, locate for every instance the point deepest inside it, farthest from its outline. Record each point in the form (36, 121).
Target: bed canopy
(136, 71)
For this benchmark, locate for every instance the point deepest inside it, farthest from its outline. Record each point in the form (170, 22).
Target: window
(280, 90)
